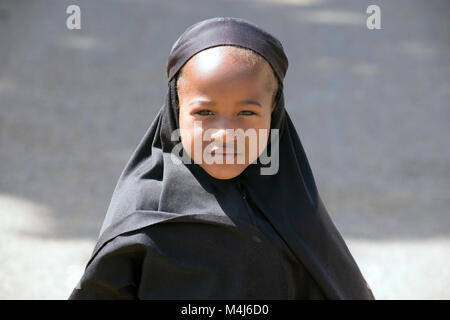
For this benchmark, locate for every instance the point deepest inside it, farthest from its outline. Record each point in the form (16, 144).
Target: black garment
(191, 260)
(173, 231)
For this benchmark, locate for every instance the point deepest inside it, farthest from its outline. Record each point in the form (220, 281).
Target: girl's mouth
(221, 153)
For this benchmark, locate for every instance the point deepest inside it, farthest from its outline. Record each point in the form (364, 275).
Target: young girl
(244, 226)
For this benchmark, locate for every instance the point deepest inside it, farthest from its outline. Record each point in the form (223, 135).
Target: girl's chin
(224, 171)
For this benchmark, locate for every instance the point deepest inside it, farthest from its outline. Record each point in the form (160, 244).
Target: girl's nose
(224, 134)
(220, 135)
(221, 126)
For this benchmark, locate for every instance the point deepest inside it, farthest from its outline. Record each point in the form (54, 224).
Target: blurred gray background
(371, 108)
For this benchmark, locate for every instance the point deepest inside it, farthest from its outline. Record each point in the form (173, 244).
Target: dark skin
(224, 92)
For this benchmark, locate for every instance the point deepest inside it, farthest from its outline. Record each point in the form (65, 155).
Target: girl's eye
(203, 112)
(249, 113)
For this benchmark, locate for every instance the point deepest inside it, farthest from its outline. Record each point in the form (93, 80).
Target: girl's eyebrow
(245, 102)
(203, 102)
(212, 103)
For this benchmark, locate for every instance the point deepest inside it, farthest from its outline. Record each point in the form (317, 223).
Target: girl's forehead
(226, 55)
(223, 72)
(218, 69)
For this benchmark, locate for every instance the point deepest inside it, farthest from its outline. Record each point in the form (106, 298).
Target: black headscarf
(153, 189)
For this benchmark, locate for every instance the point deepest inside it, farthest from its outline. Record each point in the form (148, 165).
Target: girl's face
(217, 92)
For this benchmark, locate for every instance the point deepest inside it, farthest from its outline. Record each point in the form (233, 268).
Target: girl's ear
(277, 97)
(275, 100)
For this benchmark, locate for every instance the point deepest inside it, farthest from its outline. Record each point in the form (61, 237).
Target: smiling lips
(224, 153)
